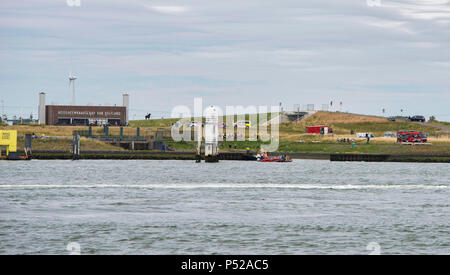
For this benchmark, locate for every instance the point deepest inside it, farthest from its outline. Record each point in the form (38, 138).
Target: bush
(432, 118)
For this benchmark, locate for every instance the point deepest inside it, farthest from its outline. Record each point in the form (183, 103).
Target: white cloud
(169, 9)
(420, 9)
(390, 25)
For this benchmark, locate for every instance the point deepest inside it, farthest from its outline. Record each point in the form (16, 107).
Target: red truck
(411, 136)
(319, 130)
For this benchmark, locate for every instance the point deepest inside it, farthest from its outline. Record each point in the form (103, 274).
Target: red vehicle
(319, 130)
(282, 159)
(411, 136)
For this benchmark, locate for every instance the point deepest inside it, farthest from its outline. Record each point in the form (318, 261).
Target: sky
(368, 54)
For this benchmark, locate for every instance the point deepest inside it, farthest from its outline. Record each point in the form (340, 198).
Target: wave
(225, 186)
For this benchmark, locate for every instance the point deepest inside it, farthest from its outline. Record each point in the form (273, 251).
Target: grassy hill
(292, 135)
(343, 123)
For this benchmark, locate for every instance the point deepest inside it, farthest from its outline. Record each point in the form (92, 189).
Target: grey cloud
(290, 51)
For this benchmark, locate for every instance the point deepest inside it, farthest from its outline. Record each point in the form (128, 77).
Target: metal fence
(116, 133)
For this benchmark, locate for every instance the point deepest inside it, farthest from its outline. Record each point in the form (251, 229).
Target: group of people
(343, 140)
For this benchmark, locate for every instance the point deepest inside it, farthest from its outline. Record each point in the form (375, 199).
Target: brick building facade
(85, 115)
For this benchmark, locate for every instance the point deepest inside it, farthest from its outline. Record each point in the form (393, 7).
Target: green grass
(168, 122)
(223, 146)
(325, 147)
(159, 123)
(290, 134)
(65, 144)
(379, 128)
(364, 148)
(443, 123)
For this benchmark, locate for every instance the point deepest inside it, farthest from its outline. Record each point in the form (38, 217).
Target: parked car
(417, 118)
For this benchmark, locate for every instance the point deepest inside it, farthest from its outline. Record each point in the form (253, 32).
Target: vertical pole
(106, 132)
(73, 92)
(90, 131)
(76, 147)
(121, 132)
(138, 132)
(28, 145)
(126, 104)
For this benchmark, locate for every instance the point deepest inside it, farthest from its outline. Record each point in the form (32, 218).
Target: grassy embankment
(443, 123)
(292, 136)
(57, 144)
(294, 139)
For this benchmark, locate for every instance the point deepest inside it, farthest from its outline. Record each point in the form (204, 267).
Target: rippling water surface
(180, 207)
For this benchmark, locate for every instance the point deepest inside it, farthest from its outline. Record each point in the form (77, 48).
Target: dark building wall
(56, 112)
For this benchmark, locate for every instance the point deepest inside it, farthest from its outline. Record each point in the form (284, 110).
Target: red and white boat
(263, 157)
(267, 159)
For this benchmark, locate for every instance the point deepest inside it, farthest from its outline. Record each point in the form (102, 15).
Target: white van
(364, 135)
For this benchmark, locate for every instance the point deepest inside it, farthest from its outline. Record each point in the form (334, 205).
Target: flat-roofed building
(83, 115)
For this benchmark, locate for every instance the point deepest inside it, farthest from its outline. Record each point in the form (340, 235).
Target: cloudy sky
(369, 54)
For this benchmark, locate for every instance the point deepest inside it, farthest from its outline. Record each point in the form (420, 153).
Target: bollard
(353, 144)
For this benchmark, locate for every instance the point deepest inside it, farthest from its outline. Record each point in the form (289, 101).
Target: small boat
(263, 157)
(275, 160)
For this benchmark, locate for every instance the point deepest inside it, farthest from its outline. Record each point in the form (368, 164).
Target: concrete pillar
(126, 103)
(41, 108)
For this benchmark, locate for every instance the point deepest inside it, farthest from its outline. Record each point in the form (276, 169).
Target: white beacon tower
(211, 135)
